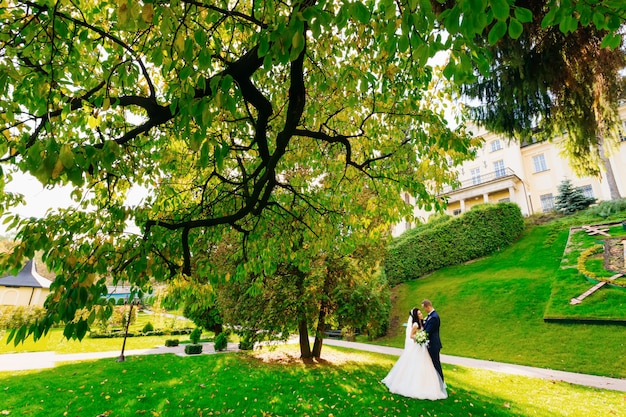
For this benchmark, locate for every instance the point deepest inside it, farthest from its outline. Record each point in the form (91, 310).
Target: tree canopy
(242, 116)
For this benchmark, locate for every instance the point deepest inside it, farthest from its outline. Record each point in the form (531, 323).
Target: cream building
(25, 289)
(527, 174)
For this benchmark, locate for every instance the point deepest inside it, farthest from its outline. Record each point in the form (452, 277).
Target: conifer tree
(571, 199)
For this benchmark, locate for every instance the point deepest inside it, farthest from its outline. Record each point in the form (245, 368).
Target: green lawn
(239, 384)
(493, 309)
(55, 341)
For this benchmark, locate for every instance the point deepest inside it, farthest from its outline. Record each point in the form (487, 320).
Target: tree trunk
(325, 306)
(321, 327)
(608, 169)
(303, 330)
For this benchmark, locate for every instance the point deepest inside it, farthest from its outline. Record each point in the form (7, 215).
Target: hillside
(493, 308)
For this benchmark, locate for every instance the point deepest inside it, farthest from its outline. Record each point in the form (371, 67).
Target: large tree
(219, 112)
(553, 79)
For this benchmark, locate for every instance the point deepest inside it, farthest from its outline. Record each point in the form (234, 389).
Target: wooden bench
(335, 334)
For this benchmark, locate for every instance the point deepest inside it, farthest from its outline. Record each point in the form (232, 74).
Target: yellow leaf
(58, 168)
(179, 43)
(123, 13)
(93, 122)
(147, 12)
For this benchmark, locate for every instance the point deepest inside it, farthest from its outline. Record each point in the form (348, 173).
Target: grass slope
(493, 309)
(345, 384)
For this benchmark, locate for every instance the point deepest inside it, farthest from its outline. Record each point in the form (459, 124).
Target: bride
(414, 375)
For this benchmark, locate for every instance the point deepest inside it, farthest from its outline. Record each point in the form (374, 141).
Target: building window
(539, 161)
(456, 212)
(587, 191)
(496, 145)
(547, 202)
(622, 132)
(504, 200)
(498, 167)
(475, 173)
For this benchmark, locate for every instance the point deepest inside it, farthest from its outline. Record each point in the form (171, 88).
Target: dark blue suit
(431, 326)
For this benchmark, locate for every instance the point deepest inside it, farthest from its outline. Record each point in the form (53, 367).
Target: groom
(431, 326)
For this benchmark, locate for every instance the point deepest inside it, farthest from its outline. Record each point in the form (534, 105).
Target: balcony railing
(481, 179)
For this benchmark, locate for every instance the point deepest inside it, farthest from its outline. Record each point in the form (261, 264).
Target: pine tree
(571, 199)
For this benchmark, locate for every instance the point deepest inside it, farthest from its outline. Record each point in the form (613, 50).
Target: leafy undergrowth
(276, 383)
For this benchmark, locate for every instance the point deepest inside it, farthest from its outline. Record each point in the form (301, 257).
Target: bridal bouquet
(421, 337)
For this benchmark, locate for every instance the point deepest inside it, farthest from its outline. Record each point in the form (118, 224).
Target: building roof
(27, 277)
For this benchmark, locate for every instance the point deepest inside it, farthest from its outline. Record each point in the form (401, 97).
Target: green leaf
(598, 20)
(200, 37)
(449, 70)
(185, 72)
(497, 32)
(523, 14)
(66, 156)
(264, 46)
(68, 331)
(548, 19)
(501, 9)
(452, 19)
(403, 43)
(611, 40)
(584, 13)
(515, 28)
(361, 12)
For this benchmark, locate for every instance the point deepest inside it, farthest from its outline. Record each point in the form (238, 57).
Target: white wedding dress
(414, 375)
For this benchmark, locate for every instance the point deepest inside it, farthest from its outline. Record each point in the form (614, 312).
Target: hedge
(484, 229)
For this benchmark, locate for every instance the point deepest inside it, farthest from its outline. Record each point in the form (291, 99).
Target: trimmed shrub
(171, 342)
(178, 331)
(221, 341)
(195, 335)
(147, 328)
(193, 349)
(485, 229)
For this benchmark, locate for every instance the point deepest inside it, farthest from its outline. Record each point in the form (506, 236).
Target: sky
(38, 199)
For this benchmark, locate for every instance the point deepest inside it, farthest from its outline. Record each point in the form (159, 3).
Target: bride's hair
(414, 314)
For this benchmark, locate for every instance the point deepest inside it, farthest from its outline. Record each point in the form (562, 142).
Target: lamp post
(133, 303)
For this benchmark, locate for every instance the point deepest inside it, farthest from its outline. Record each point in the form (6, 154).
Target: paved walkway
(39, 360)
(615, 384)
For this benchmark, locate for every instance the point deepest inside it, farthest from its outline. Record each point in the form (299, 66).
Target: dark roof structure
(27, 277)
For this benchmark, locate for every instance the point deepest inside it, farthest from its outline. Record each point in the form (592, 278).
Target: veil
(409, 327)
